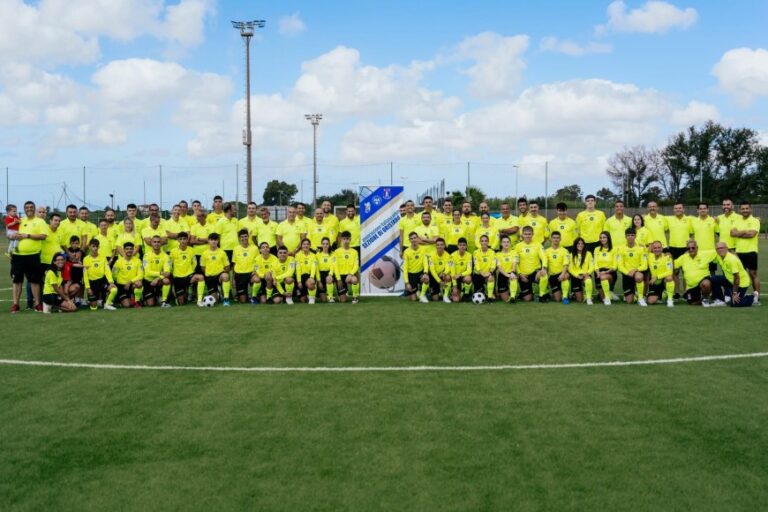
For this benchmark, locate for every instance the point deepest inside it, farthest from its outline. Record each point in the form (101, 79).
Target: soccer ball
(209, 301)
(384, 274)
(478, 298)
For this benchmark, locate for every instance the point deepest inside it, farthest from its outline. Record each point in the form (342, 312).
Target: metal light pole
(517, 176)
(246, 32)
(315, 120)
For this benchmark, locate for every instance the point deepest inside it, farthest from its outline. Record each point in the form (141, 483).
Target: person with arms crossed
(705, 229)
(508, 224)
(536, 222)
(267, 231)
(319, 229)
(725, 223)
(618, 224)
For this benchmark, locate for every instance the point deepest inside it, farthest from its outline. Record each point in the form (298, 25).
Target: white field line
(370, 369)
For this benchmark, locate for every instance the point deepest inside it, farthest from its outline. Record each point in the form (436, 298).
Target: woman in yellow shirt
(581, 268)
(642, 233)
(606, 265)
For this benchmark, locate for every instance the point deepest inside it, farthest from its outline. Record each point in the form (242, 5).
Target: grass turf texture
(659, 437)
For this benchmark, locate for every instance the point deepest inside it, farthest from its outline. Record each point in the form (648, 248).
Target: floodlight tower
(246, 32)
(315, 120)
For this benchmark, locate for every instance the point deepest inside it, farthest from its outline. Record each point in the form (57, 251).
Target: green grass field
(659, 437)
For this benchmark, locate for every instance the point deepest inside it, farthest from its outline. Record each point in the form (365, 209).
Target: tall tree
(279, 192)
(633, 171)
(568, 193)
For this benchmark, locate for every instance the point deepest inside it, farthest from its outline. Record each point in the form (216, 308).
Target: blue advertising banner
(380, 267)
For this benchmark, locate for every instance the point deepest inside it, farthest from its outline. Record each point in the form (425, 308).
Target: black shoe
(676, 296)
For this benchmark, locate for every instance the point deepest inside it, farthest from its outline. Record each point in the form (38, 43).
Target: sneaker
(289, 301)
(165, 305)
(756, 295)
(718, 303)
(446, 299)
(727, 299)
(331, 300)
(607, 301)
(676, 296)
(354, 300)
(566, 301)
(93, 308)
(755, 303)
(589, 302)
(670, 303)
(46, 309)
(255, 301)
(200, 304)
(225, 302)
(423, 299)
(15, 308)
(39, 308)
(110, 307)
(642, 303)
(614, 296)
(311, 300)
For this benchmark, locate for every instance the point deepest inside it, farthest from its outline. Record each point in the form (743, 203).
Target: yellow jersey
(452, 232)
(306, 264)
(243, 258)
(491, 232)
(539, 225)
(415, 260)
(462, 264)
(324, 262)
(353, 226)
(316, 232)
(283, 269)
(96, 267)
(605, 259)
(31, 226)
(484, 262)
(267, 233)
(50, 246)
(658, 227)
(743, 245)
(176, 227)
(731, 265)
(290, 232)
(617, 228)
(530, 257)
(660, 267)
(405, 226)
(252, 225)
(425, 232)
(52, 281)
(680, 230)
(439, 264)
(510, 222)
(557, 260)
(263, 265)
(156, 264)
(345, 262)
(581, 265)
(213, 262)
(127, 270)
(201, 232)
(183, 262)
(694, 268)
(590, 225)
(228, 229)
(632, 258)
(567, 229)
(725, 225)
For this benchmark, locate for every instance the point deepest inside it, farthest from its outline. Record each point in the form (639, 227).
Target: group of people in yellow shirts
(453, 254)
(70, 261)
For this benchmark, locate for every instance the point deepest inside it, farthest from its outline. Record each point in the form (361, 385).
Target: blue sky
(122, 87)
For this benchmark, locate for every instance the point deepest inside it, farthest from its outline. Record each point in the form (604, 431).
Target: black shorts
(100, 289)
(502, 283)
(656, 289)
(527, 288)
(591, 246)
(414, 280)
(242, 283)
(479, 282)
(181, 285)
(122, 293)
(303, 292)
(434, 285)
(52, 299)
(28, 266)
(676, 252)
(212, 283)
(555, 285)
(151, 292)
(693, 295)
(614, 274)
(342, 284)
(748, 259)
(628, 284)
(322, 286)
(577, 285)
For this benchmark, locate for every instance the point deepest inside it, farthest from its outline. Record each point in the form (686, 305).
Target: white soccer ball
(478, 298)
(209, 301)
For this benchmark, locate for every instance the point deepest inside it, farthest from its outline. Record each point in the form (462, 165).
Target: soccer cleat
(165, 305)
(331, 300)
(566, 301)
(423, 299)
(14, 309)
(642, 302)
(676, 296)
(446, 299)
(354, 300)
(110, 307)
(705, 303)
(607, 301)
(589, 302)
(254, 301)
(311, 300)
(39, 308)
(670, 303)
(46, 309)
(225, 302)
(200, 304)
(289, 301)
(718, 303)
(614, 296)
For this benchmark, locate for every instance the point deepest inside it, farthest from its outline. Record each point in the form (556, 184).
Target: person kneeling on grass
(184, 262)
(282, 274)
(506, 279)
(324, 274)
(53, 292)
(660, 268)
(462, 272)
(306, 269)
(580, 268)
(531, 265)
(416, 270)
(215, 266)
(734, 281)
(439, 263)
(244, 261)
(129, 275)
(558, 260)
(345, 268)
(606, 263)
(633, 262)
(157, 273)
(484, 263)
(99, 284)
(263, 287)
(695, 266)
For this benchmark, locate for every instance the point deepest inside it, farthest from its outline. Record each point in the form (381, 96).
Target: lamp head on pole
(246, 27)
(314, 118)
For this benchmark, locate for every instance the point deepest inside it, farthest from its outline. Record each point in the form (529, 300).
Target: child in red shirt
(12, 223)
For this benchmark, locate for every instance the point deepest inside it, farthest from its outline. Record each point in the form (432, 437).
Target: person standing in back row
(590, 223)
(744, 232)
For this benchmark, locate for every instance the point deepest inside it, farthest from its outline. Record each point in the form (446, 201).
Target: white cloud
(743, 73)
(654, 17)
(553, 44)
(694, 113)
(762, 137)
(498, 64)
(291, 25)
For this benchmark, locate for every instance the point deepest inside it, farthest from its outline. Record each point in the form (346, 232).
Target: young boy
(282, 274)
(12, 222)
(440, 272)
(157, 273)
(532, 265)
(633, 263)
(184, 265)
(215, 266)
(461, 271)
(263, 265)
(128, 274)
(98, 281)
(243, 259)
(345, 268)
(73, 270)
(415, 269)
(558, 259)
(506, 279)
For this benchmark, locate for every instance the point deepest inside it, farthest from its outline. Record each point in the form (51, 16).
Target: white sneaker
(446, 299)
(311, 300)
(423, 299)
(165, 305)
(289, 301)
(607, 301)
(705, 303)
(354, 300)
(331, 300)
(670, 303)
(589, 302)
(718, 303)
(642, 303)
(614, 296)
(46, 309)
(727, 299)
(110, 307)
(200, 304)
